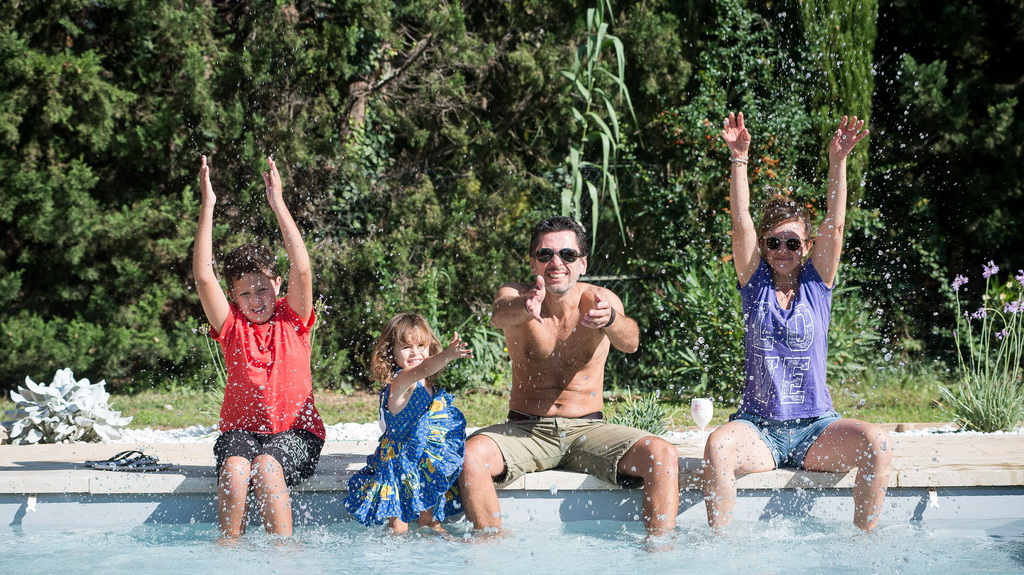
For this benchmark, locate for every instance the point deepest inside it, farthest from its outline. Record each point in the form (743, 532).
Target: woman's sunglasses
(567, 255)
(792, 244)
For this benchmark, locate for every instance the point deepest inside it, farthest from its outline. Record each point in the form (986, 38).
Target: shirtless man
(559, 332)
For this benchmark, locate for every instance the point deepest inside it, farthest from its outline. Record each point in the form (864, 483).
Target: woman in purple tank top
(785, 417)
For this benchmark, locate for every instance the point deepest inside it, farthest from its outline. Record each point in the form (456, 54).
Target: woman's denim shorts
(788, 440)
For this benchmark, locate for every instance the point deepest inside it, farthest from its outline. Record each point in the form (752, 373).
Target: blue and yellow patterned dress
(417, 464)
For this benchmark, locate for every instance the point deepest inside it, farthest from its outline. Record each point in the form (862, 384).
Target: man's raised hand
(599, 316)
(534, 299)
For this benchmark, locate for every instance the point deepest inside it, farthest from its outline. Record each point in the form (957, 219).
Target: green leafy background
(419, 141)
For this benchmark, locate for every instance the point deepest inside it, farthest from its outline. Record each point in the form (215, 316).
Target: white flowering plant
(990, 348)
(64, 411)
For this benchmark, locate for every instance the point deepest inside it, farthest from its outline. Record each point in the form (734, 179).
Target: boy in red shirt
(271, 431)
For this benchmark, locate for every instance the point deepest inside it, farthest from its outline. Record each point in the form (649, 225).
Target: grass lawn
(167, 409)
(890, 396)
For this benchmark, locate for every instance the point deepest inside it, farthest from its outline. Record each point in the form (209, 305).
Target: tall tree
(948, 174)
(839, 39)
(420, 139)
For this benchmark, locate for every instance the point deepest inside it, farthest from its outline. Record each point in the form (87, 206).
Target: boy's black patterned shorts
(298, 451)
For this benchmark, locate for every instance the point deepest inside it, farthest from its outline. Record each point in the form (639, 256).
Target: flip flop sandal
(144, 463)
(130, 461)
(120, 458)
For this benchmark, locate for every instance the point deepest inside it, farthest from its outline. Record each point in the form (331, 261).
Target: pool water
(779, 546)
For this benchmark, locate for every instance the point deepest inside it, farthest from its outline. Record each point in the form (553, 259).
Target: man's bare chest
(567, 345)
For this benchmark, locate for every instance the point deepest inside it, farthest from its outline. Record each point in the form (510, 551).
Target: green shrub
(490, 368)
(854, 335)
(990, 350)
(643, 412)
(693, 344)
(985, 405)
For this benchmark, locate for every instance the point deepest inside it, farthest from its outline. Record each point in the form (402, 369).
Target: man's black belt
(514, 415)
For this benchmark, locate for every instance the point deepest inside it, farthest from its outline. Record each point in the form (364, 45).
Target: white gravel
(200, 433)
(371, 431)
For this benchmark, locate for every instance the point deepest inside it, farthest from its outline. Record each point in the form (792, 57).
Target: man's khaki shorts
(590, 446)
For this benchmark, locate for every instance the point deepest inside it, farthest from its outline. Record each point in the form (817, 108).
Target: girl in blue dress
(412, 476)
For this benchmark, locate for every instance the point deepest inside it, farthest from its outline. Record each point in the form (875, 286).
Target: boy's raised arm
(300, 274)
(215, 303)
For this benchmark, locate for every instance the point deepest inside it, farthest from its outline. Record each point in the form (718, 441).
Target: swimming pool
(791, 546)
(955, 505)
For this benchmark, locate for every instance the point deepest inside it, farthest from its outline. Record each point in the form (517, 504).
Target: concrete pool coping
(922, 461)
(925, 467)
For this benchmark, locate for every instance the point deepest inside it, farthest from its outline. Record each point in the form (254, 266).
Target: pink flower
(982, 312)
(990, 270)
(1020, 277)
(1015, 306)
(958, 281)
(1002, 334)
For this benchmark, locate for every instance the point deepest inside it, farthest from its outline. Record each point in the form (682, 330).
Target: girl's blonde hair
(404, 327)
(780, 210)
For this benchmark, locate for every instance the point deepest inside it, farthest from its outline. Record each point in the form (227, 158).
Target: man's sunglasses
(792, 244)
(567, 255)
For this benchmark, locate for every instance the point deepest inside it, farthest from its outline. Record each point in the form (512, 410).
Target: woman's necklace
(784, 296)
